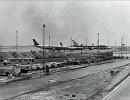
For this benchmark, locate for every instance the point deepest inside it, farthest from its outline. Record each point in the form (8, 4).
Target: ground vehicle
(5, 62)
(36, 66)
(24, 68)
(59, 64)
(51, 64)
(75, 62)
(47, 64)
(72, 61)
(21, 60)
(63, 63)
(14, 70)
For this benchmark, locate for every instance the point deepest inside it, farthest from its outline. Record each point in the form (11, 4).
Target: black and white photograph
(64, 50)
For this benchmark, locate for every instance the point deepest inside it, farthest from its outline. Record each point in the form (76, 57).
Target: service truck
(10, 70)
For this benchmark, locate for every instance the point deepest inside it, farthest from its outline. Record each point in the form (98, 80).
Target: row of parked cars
(19, 68)
(40, 66)
(62, 64)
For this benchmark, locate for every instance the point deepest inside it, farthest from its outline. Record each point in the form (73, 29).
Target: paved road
(121, 92)
(18, 88)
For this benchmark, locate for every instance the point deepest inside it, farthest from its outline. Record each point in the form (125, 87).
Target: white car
(51, 64)
(6, 62)
(36, 66)
(59, 64)
(47, 64)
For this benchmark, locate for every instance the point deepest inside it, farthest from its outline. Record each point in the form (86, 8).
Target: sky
(81, 20)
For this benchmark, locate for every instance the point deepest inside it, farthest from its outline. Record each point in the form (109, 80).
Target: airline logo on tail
(35, 42)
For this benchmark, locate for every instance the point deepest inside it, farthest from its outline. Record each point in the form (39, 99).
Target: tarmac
(14, 89)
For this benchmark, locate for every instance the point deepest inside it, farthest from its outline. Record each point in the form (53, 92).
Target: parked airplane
(36, 44)
(75, 44)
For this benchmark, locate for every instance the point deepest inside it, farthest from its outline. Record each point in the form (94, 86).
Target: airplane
(36, 44)
(75, 44)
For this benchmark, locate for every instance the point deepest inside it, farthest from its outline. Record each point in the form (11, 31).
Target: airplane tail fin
(75, 43)
(35, 42)
(61, 44)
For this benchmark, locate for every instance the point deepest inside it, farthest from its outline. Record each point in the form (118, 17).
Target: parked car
(5, 62)
(47, 64)
(36, 66)
(72, 61)
(10, 70)
(24, 68)
(59, 64)
(53, 64)
(63, 63)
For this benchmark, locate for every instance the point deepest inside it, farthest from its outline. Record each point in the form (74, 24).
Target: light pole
(115, 46)
(121, 47)
(126, 49)
(97, 47)
(16, 41)
(71, 46)
(98, 39)
(0, 48)
(86, 46)
(43, 45)
(49, 40)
